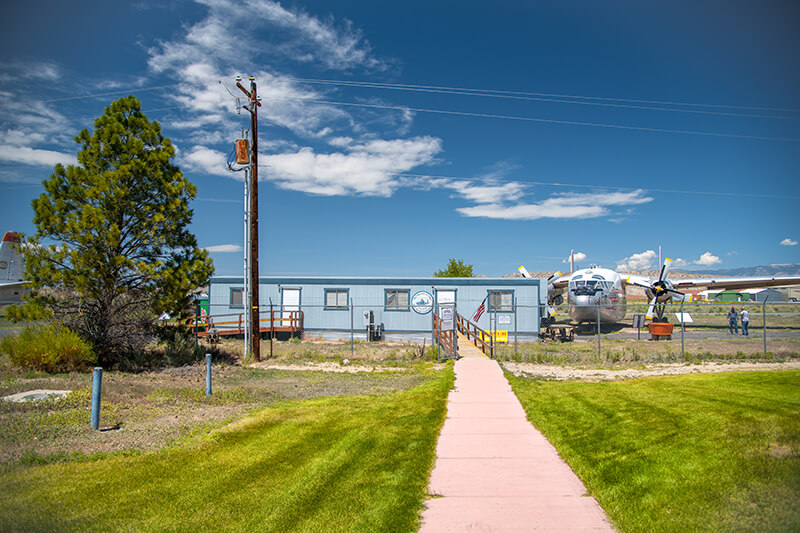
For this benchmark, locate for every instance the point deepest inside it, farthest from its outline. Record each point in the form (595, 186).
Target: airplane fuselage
(594, 292)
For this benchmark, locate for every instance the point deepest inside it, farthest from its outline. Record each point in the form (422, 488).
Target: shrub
(51, 348)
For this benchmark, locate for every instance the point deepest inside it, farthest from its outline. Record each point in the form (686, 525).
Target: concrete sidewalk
(494, 471)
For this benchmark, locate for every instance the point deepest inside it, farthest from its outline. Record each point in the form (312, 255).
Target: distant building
(401, 307)
(729, 296)
(763, 295)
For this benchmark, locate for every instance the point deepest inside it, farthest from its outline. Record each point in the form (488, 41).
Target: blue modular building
(331, 306)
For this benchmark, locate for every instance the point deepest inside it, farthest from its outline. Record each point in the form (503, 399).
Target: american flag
(480, 311)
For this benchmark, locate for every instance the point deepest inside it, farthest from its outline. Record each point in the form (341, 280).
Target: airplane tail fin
(10, 258)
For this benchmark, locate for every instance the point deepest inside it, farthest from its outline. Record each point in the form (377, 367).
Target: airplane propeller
(660, 289)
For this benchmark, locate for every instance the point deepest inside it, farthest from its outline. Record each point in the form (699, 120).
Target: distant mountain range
(792, 269)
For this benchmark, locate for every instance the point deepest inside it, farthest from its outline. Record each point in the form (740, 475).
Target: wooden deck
(233, 324)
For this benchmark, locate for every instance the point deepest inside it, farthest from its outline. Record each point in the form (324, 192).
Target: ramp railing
(233, 323)
(476, 336)
(446, 338)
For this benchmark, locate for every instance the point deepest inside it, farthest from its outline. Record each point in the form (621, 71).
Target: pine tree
(120, 218)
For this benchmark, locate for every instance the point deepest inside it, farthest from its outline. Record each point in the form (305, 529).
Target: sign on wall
(422, 302)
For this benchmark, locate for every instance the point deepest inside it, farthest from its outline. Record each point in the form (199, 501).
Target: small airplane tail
(11, 264)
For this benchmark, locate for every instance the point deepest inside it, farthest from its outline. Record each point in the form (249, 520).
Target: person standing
(745, 322)
(733, 321)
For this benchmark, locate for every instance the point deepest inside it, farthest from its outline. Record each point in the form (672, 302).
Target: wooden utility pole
(255, 324)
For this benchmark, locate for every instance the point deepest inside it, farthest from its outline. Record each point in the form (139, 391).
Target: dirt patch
(562, 373)
(325, 367)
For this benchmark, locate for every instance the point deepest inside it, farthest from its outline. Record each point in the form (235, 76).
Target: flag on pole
(480, 311)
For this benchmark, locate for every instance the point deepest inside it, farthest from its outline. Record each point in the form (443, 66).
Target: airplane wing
(641, 281)
(735, 283)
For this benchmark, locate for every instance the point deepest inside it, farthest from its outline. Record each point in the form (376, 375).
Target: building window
(397, 299)
(335, 298)
(237, 297)
(501, 301)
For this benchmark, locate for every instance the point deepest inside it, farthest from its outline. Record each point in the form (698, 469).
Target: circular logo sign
(422, 302)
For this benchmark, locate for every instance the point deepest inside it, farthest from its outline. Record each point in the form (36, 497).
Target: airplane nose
(585, 300)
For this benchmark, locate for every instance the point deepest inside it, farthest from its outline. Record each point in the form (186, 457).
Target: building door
(446, 296)
(290, 301)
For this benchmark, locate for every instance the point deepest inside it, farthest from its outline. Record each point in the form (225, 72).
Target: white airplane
(12, 286)
(593, 292)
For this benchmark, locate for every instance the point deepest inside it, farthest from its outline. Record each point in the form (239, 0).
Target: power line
(536, 119)
(523, 94)
(594, 187)
(553, 99)
(489, 181)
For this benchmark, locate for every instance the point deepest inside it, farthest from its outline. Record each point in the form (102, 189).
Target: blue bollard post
(97, 384)
(208, 374)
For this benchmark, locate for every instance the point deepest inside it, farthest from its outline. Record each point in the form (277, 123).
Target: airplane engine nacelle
(554, 298)
(663, 295)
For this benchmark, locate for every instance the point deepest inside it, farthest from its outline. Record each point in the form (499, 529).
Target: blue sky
(396, 136)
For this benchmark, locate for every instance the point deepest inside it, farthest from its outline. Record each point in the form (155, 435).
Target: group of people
(733, 320)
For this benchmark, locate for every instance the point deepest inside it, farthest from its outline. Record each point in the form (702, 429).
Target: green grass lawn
(712, 452)
(345, 463)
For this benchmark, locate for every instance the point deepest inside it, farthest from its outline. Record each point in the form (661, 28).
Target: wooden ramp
(467, 350)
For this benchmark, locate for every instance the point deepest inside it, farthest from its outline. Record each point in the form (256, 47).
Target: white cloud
(707, 259)
(33, 156)
(649, 260)
(578, 256)
(641, 261)
(206, 160)
(788, 242)
(224, 248)
(680, 263)
(488, 193)
(203, 56)
(367, 169)
(21, 72)
(587, 205)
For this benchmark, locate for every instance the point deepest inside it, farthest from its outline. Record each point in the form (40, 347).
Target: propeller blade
(665, 268)
(523, 271)
(638, 283)
(679, 296)
(651, 309)
(550, 311)
(556, 274)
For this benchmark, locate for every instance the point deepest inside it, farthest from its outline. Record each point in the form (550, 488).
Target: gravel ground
(563, 373)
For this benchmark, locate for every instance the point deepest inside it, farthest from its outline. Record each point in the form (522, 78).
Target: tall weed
(50, 348)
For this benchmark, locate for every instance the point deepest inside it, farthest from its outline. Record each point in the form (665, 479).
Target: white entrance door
(290, 298)
(445, 297)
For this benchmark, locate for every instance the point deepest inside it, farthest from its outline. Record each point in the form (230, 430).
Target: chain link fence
(701, 330)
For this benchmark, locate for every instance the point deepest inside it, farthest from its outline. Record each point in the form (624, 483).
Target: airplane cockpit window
(590, 286)
(597, 277)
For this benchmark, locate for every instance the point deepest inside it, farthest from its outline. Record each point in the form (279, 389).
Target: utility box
(242, 152)
(374, 331)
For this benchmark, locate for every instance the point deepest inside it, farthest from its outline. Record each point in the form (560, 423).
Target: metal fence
(694, 322)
